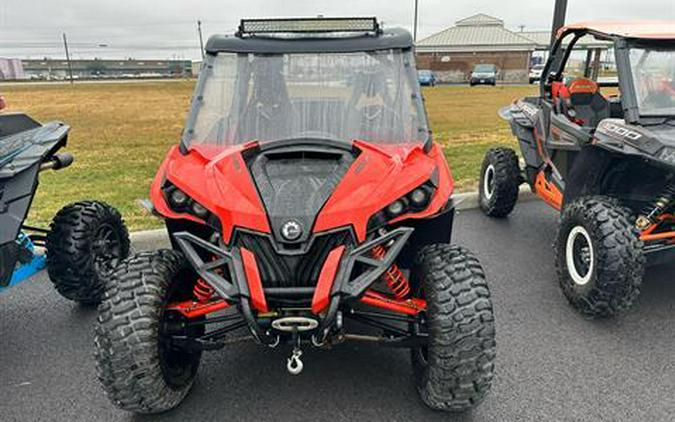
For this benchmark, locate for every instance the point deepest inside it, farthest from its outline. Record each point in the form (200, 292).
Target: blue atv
(86, 239)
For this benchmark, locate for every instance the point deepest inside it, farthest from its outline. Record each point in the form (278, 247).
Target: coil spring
(394, 277)
(202, 291)
(651, 213)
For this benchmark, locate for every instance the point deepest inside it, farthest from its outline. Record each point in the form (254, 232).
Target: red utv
(308, 206)
(601, 149)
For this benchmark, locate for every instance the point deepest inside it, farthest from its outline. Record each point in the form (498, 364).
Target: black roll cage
(560, 54)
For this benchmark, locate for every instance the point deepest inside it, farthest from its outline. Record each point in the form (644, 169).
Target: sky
(167, 29)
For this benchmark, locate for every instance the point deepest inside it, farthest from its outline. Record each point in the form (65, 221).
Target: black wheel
(454, 371)
(499, 182)
(139, 369)
(599, 256)
(86, 241)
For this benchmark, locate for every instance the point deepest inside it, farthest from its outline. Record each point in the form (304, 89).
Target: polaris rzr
(85, 240)
(307, 204)
(606, 160)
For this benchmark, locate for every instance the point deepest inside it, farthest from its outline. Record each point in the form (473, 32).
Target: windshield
(484, 68)
(369, 96)
(653, 72)
(425, 73)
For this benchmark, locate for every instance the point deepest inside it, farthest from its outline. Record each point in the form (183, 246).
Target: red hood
(219, 179)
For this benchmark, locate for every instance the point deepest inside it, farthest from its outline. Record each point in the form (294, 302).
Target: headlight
(419, 198)
(180, 201)
(396, 208)
(415, 200)
(199, 210)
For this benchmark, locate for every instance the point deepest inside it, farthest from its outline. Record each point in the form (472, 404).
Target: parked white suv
(535, 73)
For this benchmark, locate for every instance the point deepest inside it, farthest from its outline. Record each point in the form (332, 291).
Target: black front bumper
(356, 272)
(223, 269)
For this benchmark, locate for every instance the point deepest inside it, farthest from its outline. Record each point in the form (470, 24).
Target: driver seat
(581, 101)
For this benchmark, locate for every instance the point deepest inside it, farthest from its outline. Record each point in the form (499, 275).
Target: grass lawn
(120, 133)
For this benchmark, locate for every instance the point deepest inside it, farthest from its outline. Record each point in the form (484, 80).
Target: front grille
(277, 270)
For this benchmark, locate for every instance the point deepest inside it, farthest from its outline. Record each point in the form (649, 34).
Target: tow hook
(294, 364)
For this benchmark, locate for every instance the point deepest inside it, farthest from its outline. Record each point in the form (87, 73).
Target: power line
(23, 28)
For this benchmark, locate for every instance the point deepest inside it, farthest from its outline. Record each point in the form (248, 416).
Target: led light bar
(298, 25)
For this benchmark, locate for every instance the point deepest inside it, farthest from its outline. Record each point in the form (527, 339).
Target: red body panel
(221, 183)
(218, 178)
(378, 177)
(255, 287)
(326, 278)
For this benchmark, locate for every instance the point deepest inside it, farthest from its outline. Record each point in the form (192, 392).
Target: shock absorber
(651, 213)
(394, 277)
(202, 291)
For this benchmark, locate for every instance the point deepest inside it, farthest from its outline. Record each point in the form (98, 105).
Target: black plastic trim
(394, 38)
(346, 286)
(230, 290)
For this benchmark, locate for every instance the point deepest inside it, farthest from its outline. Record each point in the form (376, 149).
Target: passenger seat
(580, 100)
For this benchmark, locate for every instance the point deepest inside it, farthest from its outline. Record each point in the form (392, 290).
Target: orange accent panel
(409, 306)
(255, 287)
(192, 309)
(548, 192)
(326, 277)
(583, 86)
(652, 29)
(648, 234)
(658, 236)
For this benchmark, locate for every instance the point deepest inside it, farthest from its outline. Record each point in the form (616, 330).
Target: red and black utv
(598, 144)
(307, 204)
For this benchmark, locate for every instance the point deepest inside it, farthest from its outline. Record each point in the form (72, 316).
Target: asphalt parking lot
(552, 365)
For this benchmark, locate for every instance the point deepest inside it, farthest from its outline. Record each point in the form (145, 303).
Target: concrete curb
(464, 202)
(469, 200)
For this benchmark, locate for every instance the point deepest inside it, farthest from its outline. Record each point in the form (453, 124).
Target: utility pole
(415, 22)
(70, 67)
(558, 18)
(201, 39)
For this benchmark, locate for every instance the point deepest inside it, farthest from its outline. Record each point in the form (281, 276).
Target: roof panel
(392, 38)
(659, 29)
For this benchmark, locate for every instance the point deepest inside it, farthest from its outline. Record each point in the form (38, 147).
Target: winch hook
(294, 365)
